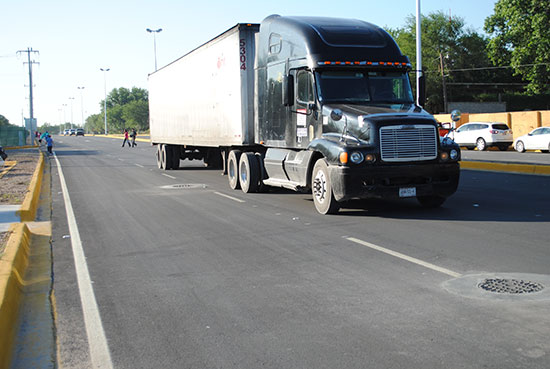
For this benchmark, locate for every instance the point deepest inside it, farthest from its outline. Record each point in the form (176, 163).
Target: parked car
(537, 139)
(80, 132)
(482, 135)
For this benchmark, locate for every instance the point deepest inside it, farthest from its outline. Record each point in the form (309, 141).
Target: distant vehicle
(79, 132)
(537, 139)
(482, 135)
(72, 132)
(66, 132)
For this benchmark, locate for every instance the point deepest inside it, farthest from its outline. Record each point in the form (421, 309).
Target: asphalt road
(201, 276)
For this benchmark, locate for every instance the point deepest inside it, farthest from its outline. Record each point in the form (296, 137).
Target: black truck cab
(335, 110)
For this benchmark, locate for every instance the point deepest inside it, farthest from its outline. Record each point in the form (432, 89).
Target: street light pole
(81, 105)
(154, 32)
(419, 74)
(105, 101)
(71, 98)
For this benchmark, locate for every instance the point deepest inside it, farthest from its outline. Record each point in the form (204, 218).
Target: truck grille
(408, 143)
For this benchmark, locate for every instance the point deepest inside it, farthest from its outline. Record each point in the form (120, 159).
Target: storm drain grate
(185, 186)
(510, 286)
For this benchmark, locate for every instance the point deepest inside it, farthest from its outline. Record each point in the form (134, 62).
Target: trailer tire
(321, 189)
(159, 156)
(166, 157)
(249, 172)
(175, 156)
(233, 169)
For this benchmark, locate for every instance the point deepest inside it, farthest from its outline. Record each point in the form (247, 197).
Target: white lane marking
(229, 197)
(99, 349)
(139, 165)
(405, 257)
(120, 159)
(168, 175)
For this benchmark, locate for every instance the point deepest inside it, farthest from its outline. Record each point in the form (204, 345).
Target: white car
(482, 135)
(537, 139)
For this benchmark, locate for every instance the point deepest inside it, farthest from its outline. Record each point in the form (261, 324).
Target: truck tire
(249, 172)
(166, 157)
(321, 189)
(175, 157)
(431, 201)
(261, 187)
(159, 156)
(233, 169)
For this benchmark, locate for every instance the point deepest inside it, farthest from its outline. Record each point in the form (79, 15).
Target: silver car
(537, 139)
(482, 135)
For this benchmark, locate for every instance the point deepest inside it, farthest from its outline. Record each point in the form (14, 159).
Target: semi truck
(314, 104)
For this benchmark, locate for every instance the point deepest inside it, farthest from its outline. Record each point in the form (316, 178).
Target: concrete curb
(12, 267)
(27, 211)
(534, 169)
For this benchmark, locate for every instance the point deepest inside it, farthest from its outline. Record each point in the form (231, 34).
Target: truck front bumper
(387, 181)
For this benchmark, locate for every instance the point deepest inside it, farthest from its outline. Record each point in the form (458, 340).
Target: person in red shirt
(126, 139)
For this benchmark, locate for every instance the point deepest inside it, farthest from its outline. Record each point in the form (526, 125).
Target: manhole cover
(510, 286)
(185, 186)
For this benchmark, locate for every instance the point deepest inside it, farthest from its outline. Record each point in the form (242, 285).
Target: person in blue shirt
(49, 144)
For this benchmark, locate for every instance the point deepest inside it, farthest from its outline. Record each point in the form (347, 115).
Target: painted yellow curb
(121, 137)
(507, 167)
(27, 211)
(13, 264)
(21, 147)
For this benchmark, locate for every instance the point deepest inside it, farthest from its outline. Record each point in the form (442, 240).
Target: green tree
(520, 36)
(95, 123)
(4, 121)
(444, 41)
(127, 108)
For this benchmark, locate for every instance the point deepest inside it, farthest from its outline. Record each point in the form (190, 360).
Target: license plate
(407, 192)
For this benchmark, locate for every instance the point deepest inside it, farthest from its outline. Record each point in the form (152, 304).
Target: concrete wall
(521, 122)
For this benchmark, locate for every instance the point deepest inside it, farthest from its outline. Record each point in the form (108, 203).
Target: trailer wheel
(175, 157)
(249, 172)
(159, 156)
(233, 169)
(166, 157)
(321, 189)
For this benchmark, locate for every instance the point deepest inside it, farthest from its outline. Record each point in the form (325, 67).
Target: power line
(490, 68)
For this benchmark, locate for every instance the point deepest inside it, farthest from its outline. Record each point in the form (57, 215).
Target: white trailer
(205, 99)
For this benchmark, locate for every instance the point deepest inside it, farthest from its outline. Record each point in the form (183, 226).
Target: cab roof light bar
(369, 63)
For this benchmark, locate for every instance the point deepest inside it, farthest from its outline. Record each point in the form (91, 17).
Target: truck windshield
(364, 87)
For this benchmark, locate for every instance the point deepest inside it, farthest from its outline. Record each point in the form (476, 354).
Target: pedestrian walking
(126, 139)
(49, 144)
(43, 136)
(133, 135)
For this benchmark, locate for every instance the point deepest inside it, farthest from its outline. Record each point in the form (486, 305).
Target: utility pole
(442, 66)
(32, 124)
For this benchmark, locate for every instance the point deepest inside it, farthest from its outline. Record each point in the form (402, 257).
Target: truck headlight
(357, 157)
(453, 154)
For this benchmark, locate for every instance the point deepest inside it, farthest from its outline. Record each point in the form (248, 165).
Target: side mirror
(456, 115)
(288, 90)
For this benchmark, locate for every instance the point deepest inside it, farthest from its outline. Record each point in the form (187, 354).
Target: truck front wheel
(321, 189)
(233, 169)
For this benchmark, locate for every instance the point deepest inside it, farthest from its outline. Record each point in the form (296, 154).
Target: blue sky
(76, 38)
